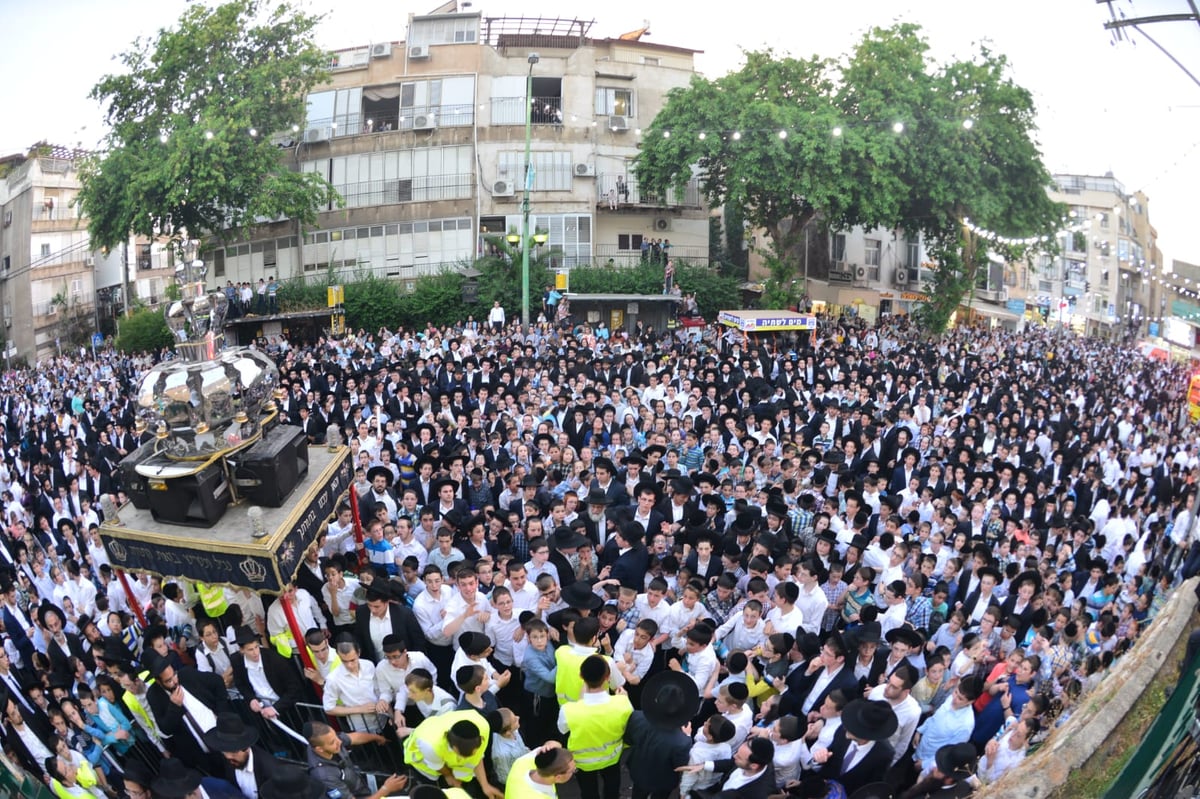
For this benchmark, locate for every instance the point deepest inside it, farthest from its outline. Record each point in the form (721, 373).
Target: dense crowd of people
(861, 560)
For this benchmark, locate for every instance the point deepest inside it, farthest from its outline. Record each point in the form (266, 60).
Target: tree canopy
(881, 137)
(192, 116)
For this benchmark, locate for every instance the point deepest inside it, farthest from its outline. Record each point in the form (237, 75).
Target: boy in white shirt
(633, 654)
(745, 629)
(712, 743)
(501, 626)
(731, 703)
(684, 614)
(654, 605)
(699, 661)
(391, 671)
(429, 699)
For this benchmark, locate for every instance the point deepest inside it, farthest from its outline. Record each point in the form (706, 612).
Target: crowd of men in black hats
(865, 560)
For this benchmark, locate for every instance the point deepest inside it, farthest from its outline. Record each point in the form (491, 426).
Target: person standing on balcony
(272, 292)
(669, 277)
(262, 297)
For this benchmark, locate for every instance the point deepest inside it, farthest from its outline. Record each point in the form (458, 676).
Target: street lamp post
(533, 59)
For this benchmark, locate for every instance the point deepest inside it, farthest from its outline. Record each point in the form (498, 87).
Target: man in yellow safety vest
(596, 728)
(450, 747)
(537, 774)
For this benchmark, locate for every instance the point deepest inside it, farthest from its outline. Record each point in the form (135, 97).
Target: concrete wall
(1097, 716)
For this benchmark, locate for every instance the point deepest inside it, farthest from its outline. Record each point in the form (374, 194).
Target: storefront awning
(997, 312)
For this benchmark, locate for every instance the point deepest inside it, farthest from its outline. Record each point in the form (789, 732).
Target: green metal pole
(525, 202)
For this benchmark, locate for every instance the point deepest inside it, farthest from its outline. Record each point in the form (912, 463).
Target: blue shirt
(946, 726)
(539, 668)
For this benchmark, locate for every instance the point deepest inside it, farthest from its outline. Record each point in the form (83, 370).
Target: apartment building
(425, 142)
(47, 291)
(1100, 283)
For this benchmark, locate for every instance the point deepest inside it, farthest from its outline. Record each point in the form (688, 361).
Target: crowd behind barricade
(862, 561)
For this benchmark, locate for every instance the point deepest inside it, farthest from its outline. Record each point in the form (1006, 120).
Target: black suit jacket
(265, 767)
(759, 788)
(871, 768)
(800, 685)
(207, 687)
(404, 624)
(280, 673)
(631, 568)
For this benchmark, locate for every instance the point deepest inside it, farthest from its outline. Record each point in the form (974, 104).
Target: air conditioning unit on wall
(617, 123)
(585, 170)
(425, 122)
(902, 276)
(662, 224)
(382, 50)
(503, 188)
(418, 51)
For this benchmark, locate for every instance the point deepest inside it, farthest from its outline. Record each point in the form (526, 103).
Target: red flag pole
(133, 602)
(352, 498)
(298, 637)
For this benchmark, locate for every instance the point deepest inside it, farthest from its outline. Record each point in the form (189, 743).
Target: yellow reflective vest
(568, 685)
(432, 733)
(519, 785)
(597, 730)
(213, 599)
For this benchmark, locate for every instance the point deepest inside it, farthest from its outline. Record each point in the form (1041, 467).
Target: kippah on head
(465, 730)
(594, 670)
(738, 691)
(721, 729)
(545, 759)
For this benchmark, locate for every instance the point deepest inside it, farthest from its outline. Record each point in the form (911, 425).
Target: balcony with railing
(602, 254)
(54, 215)
(511, 110)
(427, 188)
(619, 192)
(430, 117)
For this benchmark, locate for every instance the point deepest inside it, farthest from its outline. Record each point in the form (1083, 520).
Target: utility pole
(525, 242)
(125, 277)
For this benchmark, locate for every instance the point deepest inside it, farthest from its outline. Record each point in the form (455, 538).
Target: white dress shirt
(428, 610)
(258, 681)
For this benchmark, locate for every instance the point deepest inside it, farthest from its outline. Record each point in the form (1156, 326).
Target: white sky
(1124, 108)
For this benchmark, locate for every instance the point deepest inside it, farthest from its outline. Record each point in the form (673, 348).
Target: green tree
(881, 137)
(192, 116)
(143, 331)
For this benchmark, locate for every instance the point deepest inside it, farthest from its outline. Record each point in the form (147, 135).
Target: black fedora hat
(566, 537)
(871, 720)
(230, 735)
(437, 485)
(579, 595)
(670, 699)
(746, 522)
(867, 633)
(290, 782)
(376, 471)
(906, 635)
(956, 759)
(828, 535)
(174, 780)
(245, 635)
(597, 496)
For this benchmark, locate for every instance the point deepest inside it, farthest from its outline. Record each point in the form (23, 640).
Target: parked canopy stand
(767, 324)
